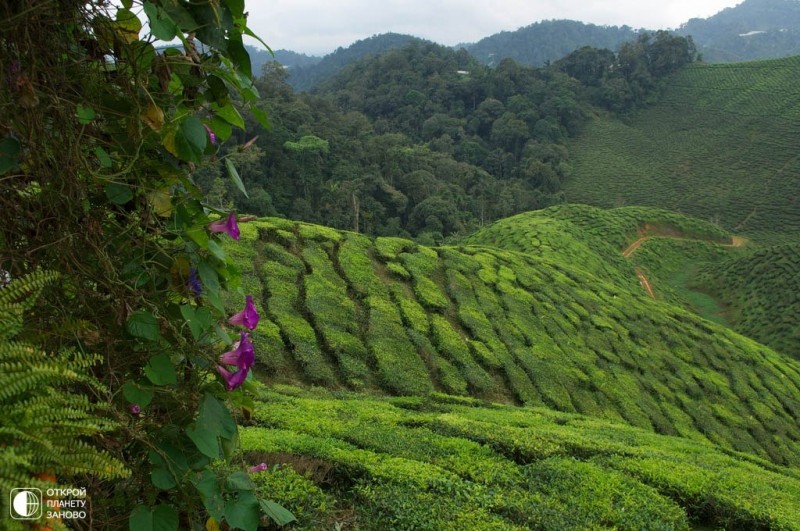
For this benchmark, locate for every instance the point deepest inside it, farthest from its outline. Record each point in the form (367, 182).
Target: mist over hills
(754, 29)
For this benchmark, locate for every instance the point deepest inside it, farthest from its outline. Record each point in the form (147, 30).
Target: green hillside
(591, 237)
(673, 266)
(387, 315)
(720, 145)
(445, 463)
(761, 292)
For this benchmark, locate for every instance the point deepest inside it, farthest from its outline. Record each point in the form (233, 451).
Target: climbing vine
(103, 121)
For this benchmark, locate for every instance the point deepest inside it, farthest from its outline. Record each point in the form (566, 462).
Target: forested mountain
(547, 41)
(426, 141)
(304, 77)
(754, 29)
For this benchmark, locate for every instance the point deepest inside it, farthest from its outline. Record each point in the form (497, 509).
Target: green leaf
(240, 481)
(9, 154)
(277, 513)
(215, 300)
(189, 140)
(199, 235)
(158, 518)
(119, 194)
(234, 175)
(198, 319)
(103, 157)
(236, 7)
(183, 18)
(208, 276)
(248, 31)
(137, 394)
(128, 25)
(261, 116)
(229, 113)
(162, 26)
(239, 56)
(160, 370)
(216, 249)
(217, 90)
(243, 512)
(221, 128)
(208, 487)
(162, 479)
(85, 114)
(169, 466)
(223, 335)
(144, 325)
(213, 421)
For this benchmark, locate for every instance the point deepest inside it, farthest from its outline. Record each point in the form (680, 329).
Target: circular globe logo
(26, 504)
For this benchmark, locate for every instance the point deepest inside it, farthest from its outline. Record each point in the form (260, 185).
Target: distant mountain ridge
(548, 40)
(754, 29)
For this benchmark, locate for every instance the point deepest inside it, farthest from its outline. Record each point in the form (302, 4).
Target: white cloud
(320, 26)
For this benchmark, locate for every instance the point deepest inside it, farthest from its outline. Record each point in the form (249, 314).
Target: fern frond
(44, 425)
(26, 289)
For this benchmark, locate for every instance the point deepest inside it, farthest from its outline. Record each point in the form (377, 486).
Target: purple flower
(243, 356)
(228, 226)
(135, 409)
(232, 379)
(258, 468)
(195, 286)
(211, 136)
(248, 317)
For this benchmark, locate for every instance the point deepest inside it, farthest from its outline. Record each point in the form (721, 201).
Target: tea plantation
(390, 316)
(720, 145)
(761, 291)
(446, 463)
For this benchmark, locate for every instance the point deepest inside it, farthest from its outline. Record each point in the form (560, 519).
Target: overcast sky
(318, 27)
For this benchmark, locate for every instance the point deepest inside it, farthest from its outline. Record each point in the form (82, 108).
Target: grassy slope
(721, 145)
(591, 237)
(762, 292)
(444, 463)
(387, 315)
(675, 249)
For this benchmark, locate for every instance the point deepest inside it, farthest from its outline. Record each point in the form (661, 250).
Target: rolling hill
(761, 294)
(720, 145)
(390, 316)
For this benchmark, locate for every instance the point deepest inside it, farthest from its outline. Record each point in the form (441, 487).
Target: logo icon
(26, 504)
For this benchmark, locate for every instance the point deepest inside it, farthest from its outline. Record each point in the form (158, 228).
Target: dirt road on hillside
(736, 241)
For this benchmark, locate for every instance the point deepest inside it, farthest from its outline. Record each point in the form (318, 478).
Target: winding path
(736, 241)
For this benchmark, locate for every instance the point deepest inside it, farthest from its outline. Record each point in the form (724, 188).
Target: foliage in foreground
(100, 133)
(47, 430)
(444, 462)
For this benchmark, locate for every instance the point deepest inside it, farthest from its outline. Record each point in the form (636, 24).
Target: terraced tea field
(344, 311)
(762, 293)
(720, 145)
(447, 463)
